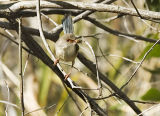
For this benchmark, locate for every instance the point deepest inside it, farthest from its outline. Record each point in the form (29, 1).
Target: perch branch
(16, 7)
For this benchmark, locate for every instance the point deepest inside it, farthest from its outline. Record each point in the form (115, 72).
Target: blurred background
(117, 57)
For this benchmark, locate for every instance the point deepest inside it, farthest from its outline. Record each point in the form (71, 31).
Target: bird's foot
(66, 76)
(74, 41)
(78, 41)
(56, 61)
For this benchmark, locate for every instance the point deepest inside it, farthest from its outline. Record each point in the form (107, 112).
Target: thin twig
(135, 71)
(115, 96)
(49, 19)
(136, 9)
(128, 31)
(158, 105)
(72, 97)
(101, 98)
(9, 103)
(124, 58)
(2, 51)
(9, 74)
(112, 18)
(25, 66)
(8, 98)
(83, 111)
(42, 108)
(144, 102)
(4, 47)
(107, 59)
(87, 99)
(97, 73)
(79, 70)
(9, 33)
(141, 18)
(62, 106)
(41, 30)
(26, 49)
(20, 69)
(85, 36)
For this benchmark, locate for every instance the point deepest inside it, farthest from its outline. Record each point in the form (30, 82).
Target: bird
(66, 47)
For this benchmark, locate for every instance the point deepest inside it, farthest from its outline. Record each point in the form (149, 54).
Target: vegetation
(117, 69)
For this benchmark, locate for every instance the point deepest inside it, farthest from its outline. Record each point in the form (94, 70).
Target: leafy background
(43, 88)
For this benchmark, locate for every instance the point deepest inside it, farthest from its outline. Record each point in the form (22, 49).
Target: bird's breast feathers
(68, 52)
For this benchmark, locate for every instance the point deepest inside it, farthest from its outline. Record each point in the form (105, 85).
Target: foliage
(152, 94)
(119, 43)
(153, 5)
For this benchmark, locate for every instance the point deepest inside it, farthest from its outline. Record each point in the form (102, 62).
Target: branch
(9, 103)
(41, 31)
(20, 67)
(54, 36)
(139, 65)
(32, 31)
(144, 102)
(136, 9)
(31, 13)
(82, 6)
(39, 53)
(90, 65)
(26, 49)
(117, 33)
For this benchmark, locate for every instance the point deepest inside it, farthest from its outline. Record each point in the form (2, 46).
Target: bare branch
(15, 42)
(20, 68)
(83, 6)
(39, 52)
(72, 97)
(124, 58)
(49, 19)
(96, 62)
(157, 105)
(8, 103)
(62, 106)
(139, 65)
(42, 108)
(117, 33)
(136, 9)
(41, 30)
(144, 102)
(105, 79)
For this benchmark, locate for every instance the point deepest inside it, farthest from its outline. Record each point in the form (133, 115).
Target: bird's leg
(66, 76)
(72, 64)
(56, 61)
(78, 41)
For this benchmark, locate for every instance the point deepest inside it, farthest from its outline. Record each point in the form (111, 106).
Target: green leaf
(153, 5)
(155, 51)
(152, 94)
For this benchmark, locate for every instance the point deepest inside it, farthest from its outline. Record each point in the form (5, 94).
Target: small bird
(66, 47)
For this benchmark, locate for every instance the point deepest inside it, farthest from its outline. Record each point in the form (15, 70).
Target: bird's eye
(67, 40)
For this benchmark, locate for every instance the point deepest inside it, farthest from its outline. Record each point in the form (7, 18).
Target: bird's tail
(67, 24)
